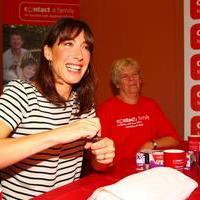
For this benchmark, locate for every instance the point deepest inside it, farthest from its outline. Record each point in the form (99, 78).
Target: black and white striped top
(27, 112)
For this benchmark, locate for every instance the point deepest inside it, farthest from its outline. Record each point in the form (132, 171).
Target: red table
(83, 188)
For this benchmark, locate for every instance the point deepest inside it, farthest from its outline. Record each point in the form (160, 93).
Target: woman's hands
(102, 149)
(81, 129)
(103, 152)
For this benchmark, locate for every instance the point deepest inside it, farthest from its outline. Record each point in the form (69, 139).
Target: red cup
(175, 158)
(194, 142)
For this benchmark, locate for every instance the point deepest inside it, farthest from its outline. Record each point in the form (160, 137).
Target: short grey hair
(119, 65)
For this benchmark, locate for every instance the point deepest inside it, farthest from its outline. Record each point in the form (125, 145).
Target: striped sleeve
(13, 103)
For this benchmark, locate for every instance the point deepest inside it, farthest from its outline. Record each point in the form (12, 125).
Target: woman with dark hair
(46, 124)
(64, 31)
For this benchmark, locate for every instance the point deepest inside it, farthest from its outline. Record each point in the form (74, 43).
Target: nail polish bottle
(146, 161)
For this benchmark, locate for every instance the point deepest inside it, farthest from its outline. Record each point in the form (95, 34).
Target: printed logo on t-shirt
(132, 122)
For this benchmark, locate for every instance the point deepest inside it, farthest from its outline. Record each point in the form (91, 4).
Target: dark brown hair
(15, 32)
(67, 29)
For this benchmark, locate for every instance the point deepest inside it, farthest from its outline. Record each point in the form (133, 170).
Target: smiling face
(69, 59)
(29, 71)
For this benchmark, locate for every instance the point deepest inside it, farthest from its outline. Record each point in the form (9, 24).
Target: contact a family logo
(134, 121)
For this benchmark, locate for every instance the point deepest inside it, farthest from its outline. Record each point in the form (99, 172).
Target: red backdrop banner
(37, 12)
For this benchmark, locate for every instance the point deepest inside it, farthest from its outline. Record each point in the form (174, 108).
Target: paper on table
(155, 184)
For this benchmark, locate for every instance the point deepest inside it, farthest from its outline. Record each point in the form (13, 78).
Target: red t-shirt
(131, 125)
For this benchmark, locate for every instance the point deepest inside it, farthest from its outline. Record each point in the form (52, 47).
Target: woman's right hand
(82, 128)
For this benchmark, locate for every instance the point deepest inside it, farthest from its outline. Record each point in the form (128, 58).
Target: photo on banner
(25, 24)
(21, 51)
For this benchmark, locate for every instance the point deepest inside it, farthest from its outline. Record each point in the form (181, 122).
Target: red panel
(195, 9)
(195, 67)
(195, 125)
(195, 97)
(195, 36)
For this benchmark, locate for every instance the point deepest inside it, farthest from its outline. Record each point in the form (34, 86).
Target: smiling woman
(47, 123)
(64, 52)
(69, 60)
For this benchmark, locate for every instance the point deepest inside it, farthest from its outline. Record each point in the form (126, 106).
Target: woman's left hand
(103, 150)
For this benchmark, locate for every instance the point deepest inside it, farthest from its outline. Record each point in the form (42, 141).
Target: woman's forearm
(16, 149)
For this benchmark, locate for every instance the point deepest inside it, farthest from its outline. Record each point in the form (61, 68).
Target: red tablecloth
(83, 188)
